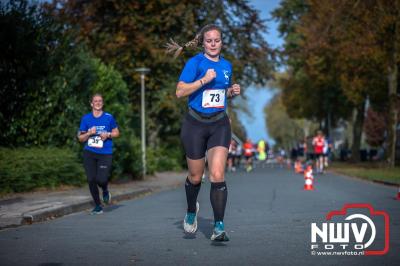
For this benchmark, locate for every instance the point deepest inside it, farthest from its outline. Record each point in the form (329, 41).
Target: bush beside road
(25, 169)
(38, 168)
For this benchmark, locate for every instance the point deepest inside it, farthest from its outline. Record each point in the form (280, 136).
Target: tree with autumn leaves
(131, 34)
(341, 55)
(58, 53)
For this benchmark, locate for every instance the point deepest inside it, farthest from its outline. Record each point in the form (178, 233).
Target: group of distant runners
(246, 155)
(315, 150)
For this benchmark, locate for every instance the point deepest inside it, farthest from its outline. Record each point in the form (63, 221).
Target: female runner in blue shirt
(96, 130)
(206, 80)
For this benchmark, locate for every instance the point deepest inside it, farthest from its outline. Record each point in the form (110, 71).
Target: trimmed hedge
(25, 169)
(162, 159)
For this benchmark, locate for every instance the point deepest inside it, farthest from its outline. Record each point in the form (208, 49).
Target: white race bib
(95, 142)
(213, 98)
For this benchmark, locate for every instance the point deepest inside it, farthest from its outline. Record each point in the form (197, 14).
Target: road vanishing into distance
(268, 219)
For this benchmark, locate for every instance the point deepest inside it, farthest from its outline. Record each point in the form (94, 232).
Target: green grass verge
(369, 171)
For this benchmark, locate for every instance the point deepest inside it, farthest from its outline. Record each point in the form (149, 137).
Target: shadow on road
(111, 208)
(204, 226)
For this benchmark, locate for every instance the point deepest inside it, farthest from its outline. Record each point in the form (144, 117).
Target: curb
(386, 183)
(54, 212)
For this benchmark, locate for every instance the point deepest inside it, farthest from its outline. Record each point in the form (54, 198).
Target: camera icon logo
(352, 230)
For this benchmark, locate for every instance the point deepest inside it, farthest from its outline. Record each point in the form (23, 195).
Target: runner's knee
(217, 175)
(195, 178)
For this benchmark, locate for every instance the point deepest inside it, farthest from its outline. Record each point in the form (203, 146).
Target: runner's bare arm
(185, 89)
(113, 134)
(84, 135)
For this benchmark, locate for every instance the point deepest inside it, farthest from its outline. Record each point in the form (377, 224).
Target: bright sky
(258, 98)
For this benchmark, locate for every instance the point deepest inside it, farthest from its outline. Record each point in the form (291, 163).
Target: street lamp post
(143, 71)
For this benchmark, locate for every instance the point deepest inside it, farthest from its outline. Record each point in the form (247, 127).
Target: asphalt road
(268, 219)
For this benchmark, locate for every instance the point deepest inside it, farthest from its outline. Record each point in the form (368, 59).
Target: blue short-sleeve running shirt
(103, 123)
(212, 97)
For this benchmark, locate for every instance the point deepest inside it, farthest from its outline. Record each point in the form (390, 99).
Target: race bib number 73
(213, 98)
(95, 142)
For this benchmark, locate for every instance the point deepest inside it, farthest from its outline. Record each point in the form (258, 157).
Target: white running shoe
(190, 221)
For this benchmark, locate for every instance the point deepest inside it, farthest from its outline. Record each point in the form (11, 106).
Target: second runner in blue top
(97, 129)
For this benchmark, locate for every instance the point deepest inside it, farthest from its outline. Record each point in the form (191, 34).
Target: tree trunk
(392, 121)
(328, 124)
(357, 132)
(392, 80)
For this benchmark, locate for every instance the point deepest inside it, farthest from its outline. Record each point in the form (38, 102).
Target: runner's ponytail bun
(174, 48)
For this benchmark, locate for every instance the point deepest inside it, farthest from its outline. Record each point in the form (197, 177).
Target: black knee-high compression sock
(218, 197)
(191, 195)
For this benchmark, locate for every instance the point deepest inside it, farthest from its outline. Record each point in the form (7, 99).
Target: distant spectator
(309, 148)
(301, 150)
(281, 157)
(380, 155)
(293, 154)
(231, 156)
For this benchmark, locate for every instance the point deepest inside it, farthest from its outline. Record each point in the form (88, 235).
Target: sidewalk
(27, 208)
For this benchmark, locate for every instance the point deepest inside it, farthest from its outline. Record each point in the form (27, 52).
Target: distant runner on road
(319, 143)
(248, 152)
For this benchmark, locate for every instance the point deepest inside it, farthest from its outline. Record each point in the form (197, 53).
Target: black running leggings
(97, 168)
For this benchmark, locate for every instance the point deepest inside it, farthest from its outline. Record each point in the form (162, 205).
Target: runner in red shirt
(318, 143)
(248, 150)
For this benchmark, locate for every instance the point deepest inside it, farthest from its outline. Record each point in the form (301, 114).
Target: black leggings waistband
(202, 118)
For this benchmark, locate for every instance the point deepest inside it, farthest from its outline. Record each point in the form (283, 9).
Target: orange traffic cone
(398, 194)
(308, 178)
(298, 167)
